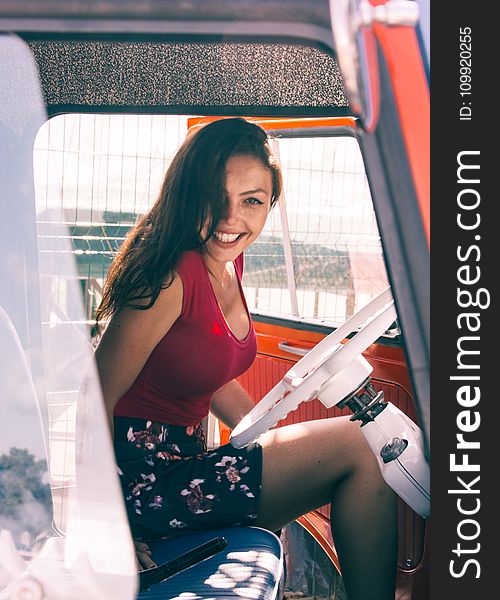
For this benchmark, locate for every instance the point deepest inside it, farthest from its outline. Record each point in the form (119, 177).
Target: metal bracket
(392, 13)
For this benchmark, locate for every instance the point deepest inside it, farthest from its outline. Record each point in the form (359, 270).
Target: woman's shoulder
(144, 328)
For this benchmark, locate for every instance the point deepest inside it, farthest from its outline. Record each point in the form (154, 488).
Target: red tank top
(197, 356)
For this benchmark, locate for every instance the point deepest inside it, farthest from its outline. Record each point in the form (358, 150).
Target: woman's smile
(226, 238)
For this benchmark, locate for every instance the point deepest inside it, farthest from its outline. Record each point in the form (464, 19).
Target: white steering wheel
(327, 360)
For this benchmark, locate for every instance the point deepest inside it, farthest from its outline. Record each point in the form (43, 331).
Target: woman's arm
(231, 403)
(129, 339)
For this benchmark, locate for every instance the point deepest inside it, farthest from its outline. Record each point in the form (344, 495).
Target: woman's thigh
(303, 464)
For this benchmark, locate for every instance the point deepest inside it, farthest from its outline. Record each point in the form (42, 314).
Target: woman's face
(249, 188)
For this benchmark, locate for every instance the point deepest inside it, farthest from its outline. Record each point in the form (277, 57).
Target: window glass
(333, 237)
(319, 257)
(101, 172)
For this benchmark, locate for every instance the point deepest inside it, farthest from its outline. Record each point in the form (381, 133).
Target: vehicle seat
(250, 566)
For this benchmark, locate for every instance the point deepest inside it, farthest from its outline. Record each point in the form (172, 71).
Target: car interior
(96, 99)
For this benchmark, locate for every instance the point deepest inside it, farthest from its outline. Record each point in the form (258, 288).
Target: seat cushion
(250, 566)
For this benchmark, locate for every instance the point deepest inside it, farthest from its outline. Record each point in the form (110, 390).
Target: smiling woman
(175, 288)
(192, 201)
(174, 292)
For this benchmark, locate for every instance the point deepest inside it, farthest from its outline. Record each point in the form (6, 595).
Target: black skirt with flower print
(173, 485)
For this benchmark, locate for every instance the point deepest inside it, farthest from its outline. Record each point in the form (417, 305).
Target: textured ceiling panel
(156, 74)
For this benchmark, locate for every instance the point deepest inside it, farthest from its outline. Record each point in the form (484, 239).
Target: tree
(25, 496)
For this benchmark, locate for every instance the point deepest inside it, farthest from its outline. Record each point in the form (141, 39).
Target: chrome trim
(292, 349)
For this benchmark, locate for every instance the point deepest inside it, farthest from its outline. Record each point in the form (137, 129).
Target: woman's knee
(335, 444)
(325, 456)
(359, 458)
(352, 445)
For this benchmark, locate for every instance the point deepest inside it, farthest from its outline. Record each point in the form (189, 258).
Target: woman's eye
(253, 201)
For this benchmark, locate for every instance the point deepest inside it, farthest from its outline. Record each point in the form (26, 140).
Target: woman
(180, 333)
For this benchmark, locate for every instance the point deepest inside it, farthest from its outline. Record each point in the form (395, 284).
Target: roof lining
(152, 74)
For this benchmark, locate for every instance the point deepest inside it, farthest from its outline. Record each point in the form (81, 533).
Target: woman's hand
(143, 556)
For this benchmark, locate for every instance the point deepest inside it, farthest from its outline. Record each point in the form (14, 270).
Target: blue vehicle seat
(250, 566)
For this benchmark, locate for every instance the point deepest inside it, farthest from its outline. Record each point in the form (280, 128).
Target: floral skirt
(173, 485)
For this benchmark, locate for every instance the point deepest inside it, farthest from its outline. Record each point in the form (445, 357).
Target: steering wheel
(327, 362)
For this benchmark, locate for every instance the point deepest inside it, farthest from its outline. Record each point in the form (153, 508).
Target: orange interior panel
(270, 123)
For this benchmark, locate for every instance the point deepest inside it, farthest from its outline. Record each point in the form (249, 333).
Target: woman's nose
(232, 211)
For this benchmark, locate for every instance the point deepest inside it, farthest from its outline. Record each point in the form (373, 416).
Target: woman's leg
(308, 465)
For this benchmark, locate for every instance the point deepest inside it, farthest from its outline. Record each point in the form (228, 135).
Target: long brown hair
(191, 196)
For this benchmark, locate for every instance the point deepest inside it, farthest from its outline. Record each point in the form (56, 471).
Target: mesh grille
(158, 74)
